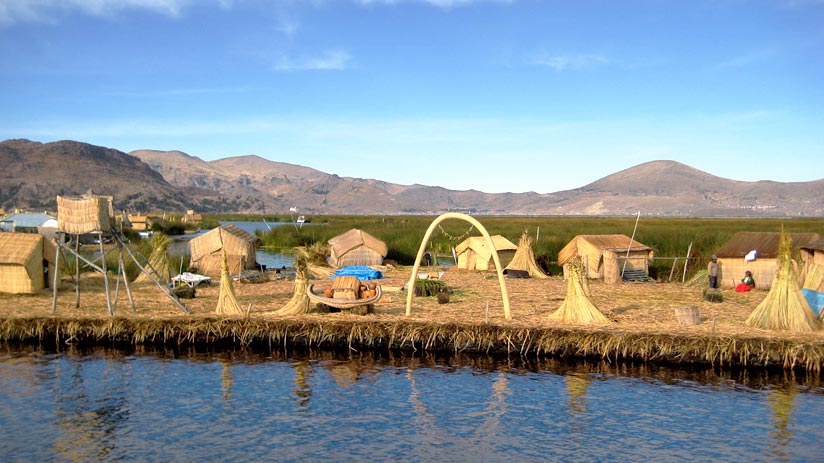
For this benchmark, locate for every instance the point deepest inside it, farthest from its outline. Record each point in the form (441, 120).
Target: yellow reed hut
(26, 263)
(356, 247)
(604, 256)
(758, 253)
(474, 253)
(206, 251)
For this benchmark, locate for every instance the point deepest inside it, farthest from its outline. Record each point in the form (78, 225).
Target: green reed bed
(669, 237)
(414, 336)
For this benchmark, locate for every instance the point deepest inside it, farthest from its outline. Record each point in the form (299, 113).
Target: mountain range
(147, 181)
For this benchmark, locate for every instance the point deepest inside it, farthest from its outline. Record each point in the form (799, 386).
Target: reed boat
(318, 296)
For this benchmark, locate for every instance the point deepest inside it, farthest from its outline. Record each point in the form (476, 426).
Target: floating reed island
(644, 321)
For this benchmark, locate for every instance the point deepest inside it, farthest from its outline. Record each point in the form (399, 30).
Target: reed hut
(474, 254)
(605, 256)
(86, 214)
(192, 217)
(206, 251)
(139, 222)
(26, 263)
(356, 247)
(524, 260)
(758, 253)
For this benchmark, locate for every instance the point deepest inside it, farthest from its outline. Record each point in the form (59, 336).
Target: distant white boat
(301, 219)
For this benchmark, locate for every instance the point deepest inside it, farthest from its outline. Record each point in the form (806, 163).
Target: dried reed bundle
(299, 304)
(701, 278)
(577, 308)
(319, 271)
(784, 308)
(524, 258)
(226, 301)
(159, 260)
(814, 278)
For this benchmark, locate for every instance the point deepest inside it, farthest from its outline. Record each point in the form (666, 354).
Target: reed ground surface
(634, 308)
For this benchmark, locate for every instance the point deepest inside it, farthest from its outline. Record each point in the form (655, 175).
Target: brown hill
(173, 181)
(670, 188)
(35, 173)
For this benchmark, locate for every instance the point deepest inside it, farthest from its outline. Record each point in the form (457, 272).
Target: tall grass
(669, 237)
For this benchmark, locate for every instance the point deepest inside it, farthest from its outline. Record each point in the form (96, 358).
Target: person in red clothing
(747, 283)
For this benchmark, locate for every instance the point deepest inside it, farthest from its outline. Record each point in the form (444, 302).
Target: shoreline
(611, 345)
(644, 325)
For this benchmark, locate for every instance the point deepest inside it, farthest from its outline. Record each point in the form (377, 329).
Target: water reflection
(90, 407)
(161, 404)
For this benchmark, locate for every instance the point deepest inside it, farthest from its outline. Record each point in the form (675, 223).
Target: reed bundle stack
(784, 308)
(299, 304)
(524, 259)
(577, 307)
(158, 260)
(226, 301)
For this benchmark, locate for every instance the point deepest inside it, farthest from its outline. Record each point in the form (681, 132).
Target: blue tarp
(362, 272)
(814, 298)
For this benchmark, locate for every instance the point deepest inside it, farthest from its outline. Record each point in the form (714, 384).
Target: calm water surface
(113, 405)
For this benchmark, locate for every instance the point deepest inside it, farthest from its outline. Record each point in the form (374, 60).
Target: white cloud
(331, 60)
(569, 62)
(50, 11)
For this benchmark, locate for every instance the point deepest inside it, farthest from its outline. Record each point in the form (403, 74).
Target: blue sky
(497, 96)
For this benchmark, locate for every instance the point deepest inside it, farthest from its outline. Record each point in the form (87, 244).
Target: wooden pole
(76, 271)
(58, 237)
(674, 261)
(686, 262)
(629, 248)
(125, 279)
(151, 277)
(105, 274)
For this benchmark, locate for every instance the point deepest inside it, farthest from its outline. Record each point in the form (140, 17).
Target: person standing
(712, 271)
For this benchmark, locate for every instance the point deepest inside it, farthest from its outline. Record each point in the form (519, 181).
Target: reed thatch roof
(17, 248)
(817, 245)
(21, 262)
(356, 247)
(765, 243)
(474, 254)
(234, 238)
(206, 250)
(355, 238)
(478, 244)
(616, 243)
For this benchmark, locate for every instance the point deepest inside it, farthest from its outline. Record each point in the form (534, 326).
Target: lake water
(318, 406)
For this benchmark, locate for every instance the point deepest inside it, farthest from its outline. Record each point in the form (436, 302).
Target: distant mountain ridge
(173, 181)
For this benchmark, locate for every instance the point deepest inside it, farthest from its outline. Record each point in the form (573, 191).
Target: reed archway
(498, 268)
